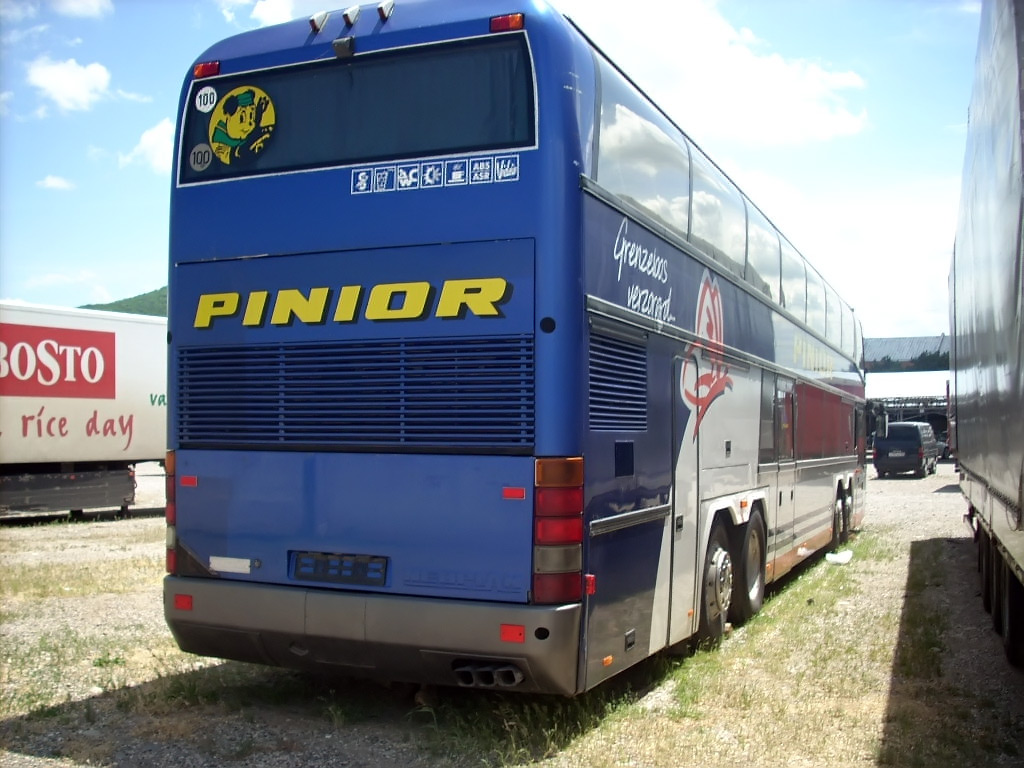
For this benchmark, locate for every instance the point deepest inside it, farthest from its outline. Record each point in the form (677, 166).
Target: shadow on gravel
(88, 516)
(248, 715)
(953, 698)
(948, 488)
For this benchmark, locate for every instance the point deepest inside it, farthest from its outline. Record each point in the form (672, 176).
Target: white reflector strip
(229, 564)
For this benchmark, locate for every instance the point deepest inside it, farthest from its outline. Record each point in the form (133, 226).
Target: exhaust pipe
(488, 675)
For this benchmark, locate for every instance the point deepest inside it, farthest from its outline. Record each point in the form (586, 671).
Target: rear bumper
(897, 464)
(424, 640)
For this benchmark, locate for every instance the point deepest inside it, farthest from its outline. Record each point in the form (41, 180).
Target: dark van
(908, 446)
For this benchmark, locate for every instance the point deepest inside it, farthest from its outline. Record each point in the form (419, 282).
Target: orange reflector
(559, 472)
(170, 463)
(515, 494)
(508, 23)
(744, 504)
(607, 661)
(183, 602)
(513, 633)
(206, 69)
(189, 481)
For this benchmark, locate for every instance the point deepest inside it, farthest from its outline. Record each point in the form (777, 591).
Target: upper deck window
(417, 102)
(642, 158)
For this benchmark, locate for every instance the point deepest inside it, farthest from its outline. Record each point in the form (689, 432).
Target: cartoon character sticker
(241, 125)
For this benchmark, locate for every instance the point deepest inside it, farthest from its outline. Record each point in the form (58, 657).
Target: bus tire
(1012, 610)
(844, 535)
(837, 522)
(716, 589)
(748, 586)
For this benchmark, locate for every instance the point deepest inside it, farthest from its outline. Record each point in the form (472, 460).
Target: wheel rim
(718, 589)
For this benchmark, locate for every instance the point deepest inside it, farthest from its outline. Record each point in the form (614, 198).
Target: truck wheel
(922, 470)
(748, 587)
(995, 569)
(716, 592)
(985, 568)
(1012, 614)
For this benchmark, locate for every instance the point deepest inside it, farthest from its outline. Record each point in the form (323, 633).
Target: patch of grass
(24, 581)
(504, 729)
(921, 644)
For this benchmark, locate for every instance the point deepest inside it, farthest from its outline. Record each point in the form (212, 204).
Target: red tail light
(171, 512)
(552, 502)
(558, 531)
(558, 587)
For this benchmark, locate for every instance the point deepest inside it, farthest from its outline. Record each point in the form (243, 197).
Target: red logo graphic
(711, 382)
(36, 361)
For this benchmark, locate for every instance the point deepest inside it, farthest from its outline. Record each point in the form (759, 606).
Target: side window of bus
(848, 321)
(763, 260)
(833, 311)
(641, 157)
(719, 225)
(766, 439)
(784, 418)
(794, 282)
(815, 301)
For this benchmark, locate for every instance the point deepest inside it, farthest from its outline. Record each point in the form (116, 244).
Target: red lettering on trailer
(38, 361)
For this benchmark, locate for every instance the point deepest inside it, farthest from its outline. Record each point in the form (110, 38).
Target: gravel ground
(137, 722)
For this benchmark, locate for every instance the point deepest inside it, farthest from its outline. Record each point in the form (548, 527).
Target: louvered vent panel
(451, 393)
(618, 385)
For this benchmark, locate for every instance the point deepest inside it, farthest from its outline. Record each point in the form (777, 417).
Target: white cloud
(136, 97)
(908, 243)
(268, 12)
(5, 100)
(229, 8)
(155, 148)
(55, 182)
(68, 84)
(83, 8)
(15, 36)
(13, 10)
(716, 80)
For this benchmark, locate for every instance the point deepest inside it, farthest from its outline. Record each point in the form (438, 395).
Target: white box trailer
(987, 314)
(82, 400)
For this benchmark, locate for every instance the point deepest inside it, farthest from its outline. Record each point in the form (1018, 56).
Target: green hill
(152, 303)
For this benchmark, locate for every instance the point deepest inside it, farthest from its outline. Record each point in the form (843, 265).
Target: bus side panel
(437, 526)
(629, 480)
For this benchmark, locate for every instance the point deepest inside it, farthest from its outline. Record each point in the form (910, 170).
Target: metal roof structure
(904, 349)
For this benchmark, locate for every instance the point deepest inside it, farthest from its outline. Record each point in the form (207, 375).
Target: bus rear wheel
(716, 589)
(748, 587)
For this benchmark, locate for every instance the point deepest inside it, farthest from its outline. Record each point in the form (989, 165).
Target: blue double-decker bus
(481, 372)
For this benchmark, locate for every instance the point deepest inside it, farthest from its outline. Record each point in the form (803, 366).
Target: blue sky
(844, 120)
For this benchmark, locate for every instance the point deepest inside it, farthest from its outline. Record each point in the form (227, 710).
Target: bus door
(784, 534)
(686, 507)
